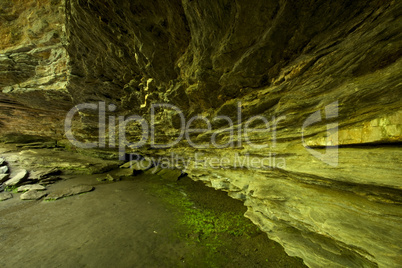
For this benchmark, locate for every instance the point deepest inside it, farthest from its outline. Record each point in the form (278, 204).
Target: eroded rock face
(301, 65)
(33, 67)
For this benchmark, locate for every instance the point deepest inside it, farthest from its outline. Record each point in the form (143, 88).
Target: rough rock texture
(339, 61)
(44, 164)
(3, 170)
(5, 196)
(41, 175)
(32, 195)
(33, 66)
(19, 178)
(30, 187)
(78, 189)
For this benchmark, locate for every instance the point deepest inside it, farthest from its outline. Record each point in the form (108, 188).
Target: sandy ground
(124, 224)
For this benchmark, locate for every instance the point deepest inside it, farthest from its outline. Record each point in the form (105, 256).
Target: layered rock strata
(326, 180)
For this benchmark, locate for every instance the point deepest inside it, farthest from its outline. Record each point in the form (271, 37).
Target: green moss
(11, 189)
(206, 227)
(206, 222)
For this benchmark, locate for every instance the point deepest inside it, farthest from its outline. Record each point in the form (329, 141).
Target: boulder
(32, 195)
(44, 174)
(19, 178)
(30, 187)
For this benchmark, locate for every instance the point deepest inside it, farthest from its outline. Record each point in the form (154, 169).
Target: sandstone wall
(281, 59)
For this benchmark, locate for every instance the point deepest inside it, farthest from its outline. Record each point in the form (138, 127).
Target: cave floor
(141, 221)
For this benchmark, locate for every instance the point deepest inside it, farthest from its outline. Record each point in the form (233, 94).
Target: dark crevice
(377, 193)
(369, 145)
